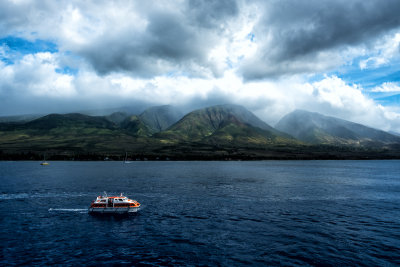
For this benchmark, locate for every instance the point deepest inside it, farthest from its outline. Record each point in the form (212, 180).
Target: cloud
(173, 38)
(35, 74)
(265, 55)
(33, 85)
(383, 52)
(153, 49)
(312, 36)
(212, 13)
(141, 39)
(151, 39)
(386, 87)
(333, 96)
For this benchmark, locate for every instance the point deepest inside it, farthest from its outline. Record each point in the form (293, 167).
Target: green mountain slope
(218, 132)
(319, 129)
(19, 118)
(74, 132)
(135, 126)
(159, 118)
(224, 124)
(117, 117)
(61, 121)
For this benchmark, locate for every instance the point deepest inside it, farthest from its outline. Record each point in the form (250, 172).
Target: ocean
(292, 213)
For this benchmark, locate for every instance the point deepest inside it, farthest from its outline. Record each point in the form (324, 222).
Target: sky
(339, 58)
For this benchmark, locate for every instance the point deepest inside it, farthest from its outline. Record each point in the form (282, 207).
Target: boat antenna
(105, 193)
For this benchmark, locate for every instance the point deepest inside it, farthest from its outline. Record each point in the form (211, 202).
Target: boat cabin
(114, 202)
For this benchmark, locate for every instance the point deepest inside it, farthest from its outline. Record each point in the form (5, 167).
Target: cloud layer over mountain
(334, 57)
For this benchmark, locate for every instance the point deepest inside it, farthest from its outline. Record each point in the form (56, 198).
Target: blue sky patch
(370, 77)
(393, 100)
(67, 70)
(15, 47)
(24, 46)
(251, 36)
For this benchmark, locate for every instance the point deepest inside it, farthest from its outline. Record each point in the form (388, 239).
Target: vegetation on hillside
(219, 132)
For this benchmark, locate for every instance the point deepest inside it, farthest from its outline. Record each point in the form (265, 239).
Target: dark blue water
(203, 213)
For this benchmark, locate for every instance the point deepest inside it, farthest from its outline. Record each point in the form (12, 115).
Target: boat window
(103, 201)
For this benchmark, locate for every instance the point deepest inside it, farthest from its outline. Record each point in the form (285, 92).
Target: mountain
(117, 117)
(64, 132)
(132, 109)
(224, 124)
(159, 118)
(19, 118)
(394, 133)
(217, 132)
(60, 121)
(75, 120)
(316, 128)
(135, 126)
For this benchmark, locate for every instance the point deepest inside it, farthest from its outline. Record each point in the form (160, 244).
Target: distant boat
(126, 158)
(44, 162)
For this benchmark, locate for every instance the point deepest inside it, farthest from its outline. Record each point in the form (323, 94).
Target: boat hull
(110, 210)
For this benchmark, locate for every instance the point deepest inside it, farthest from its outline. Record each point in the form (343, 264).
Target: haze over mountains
(315, 128)
(213, 132)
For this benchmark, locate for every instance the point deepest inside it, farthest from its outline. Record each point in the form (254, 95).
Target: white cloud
(386, 87)
(35, 74)
(332, 96)
(383, 52)
(167, 53)
(117, 36)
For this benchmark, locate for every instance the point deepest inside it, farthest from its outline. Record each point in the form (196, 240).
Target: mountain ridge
(160, 118)
(315, 128)
(217, 132)
(224, 123)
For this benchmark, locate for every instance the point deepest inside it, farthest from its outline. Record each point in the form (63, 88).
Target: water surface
(203, 213)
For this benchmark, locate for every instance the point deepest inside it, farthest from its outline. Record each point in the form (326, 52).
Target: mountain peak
(313, 127)
(224, 123)
(159, 118)
(240, 112)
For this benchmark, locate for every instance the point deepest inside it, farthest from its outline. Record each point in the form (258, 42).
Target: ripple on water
(204, 213)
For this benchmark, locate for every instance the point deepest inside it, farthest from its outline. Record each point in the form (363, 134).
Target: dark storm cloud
(11, 18)
(171, 41)
(146, 53)
(177, 36)
(210, 13)
(165, 41)
(16, 17)
(169, 38)
(292, 36)
(298, 31)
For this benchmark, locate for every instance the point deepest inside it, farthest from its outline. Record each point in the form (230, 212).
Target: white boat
(126, 158)
(44, 162)
(114, 205)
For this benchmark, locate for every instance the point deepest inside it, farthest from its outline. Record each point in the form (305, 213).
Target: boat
(114, 205)
(126, 158)
(44, 162)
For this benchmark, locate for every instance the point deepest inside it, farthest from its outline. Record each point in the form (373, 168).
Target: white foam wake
(68, 210)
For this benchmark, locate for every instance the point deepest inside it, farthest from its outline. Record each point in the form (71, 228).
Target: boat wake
(11, 196)
(68, 210)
